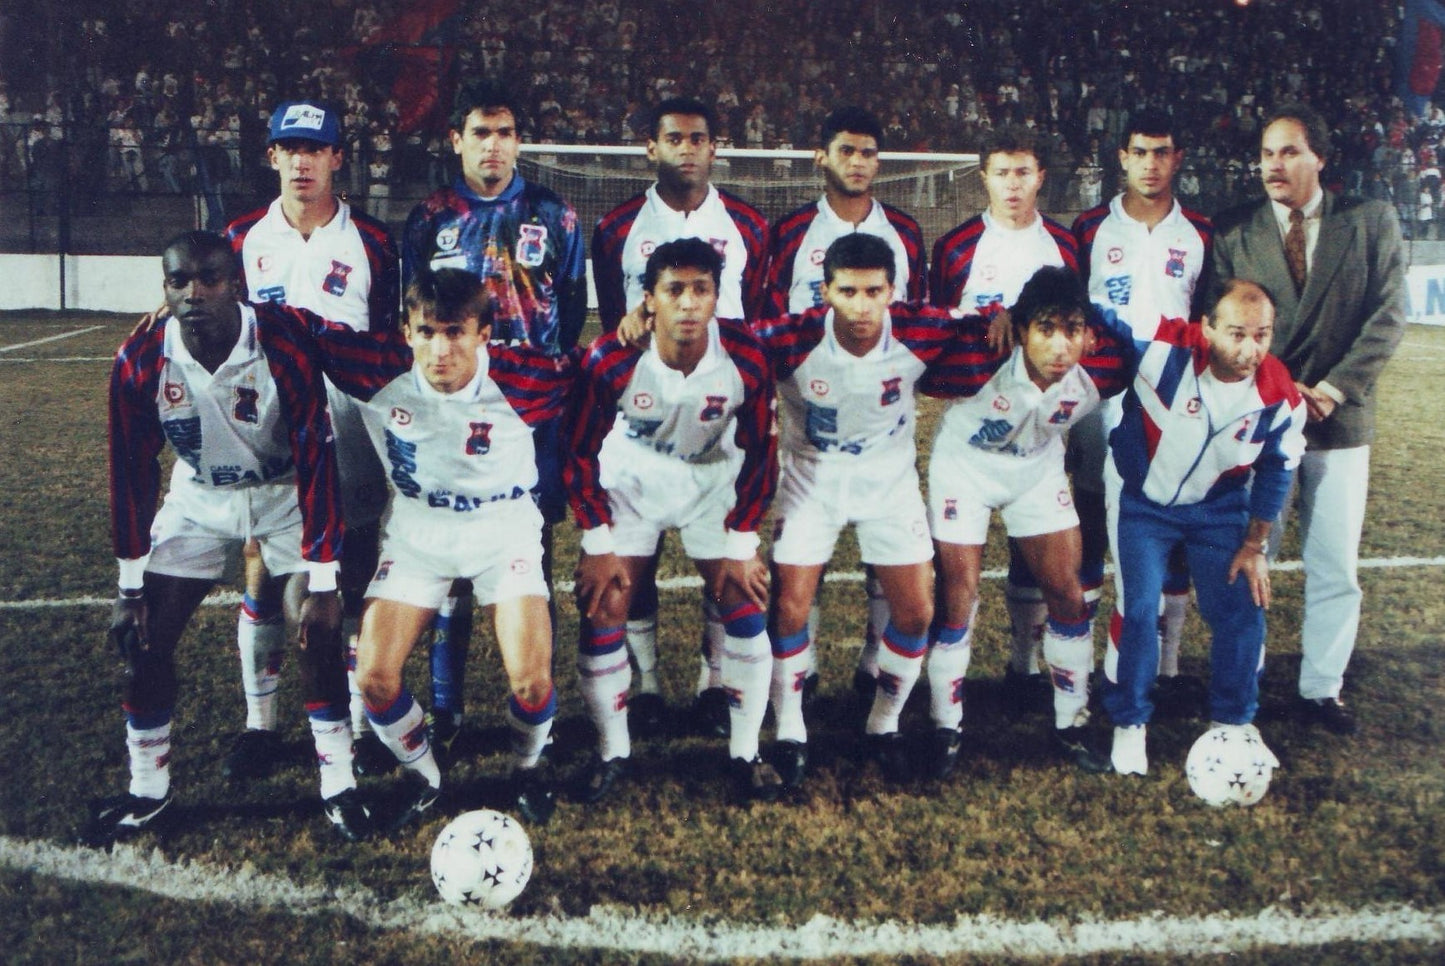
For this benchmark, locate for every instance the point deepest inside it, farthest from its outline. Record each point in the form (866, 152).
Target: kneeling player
(237, 393)
(451, 416)
(1002, 448)
(666, 466)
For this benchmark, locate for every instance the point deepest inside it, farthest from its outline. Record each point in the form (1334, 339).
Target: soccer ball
(1230, 765)
(481, 858)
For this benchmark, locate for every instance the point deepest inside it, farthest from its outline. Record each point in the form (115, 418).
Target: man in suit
(1336, 269)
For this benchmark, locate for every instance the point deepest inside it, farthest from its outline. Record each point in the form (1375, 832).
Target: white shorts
(816, 500)
(964, 488)
(363, 479)
(650, 493)
(498, 547)
(199, 530)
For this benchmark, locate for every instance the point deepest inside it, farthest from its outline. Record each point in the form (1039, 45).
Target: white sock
(606, 675)
(333, 755)
(150, 759)
(790, 664)
(360, 724)
(530, 728)
(747, 669)
(879, 614)
(1069, 651)
(900, 661)
(713, 637)
(1129, 755)
(1172, 609)
(262, 644)
(642, 646)
(1027, 613)
(402, 728)
(948, 658)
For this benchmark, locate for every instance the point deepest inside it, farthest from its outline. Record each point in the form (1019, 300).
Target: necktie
(1294, 249)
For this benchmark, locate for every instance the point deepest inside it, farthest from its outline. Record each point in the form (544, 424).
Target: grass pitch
(1347, 824)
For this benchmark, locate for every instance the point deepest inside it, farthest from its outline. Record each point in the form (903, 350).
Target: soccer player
(238, 395)
(666, 464)
(1000, 446)
(453, 416)
(311, 250)
(846, 373)
(1212, 430)
(1146, 257)
(847, 157)
(1336, 267)
(683, 203)
(523, 241)
(981, 267)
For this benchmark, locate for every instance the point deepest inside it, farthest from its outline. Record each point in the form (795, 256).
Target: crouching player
(1002, 447)
(1213, 428)
(665, 465)
(846, 374)
(451, 417)
(238, 394)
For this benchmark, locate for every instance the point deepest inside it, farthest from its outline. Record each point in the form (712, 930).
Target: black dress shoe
(1329, 712)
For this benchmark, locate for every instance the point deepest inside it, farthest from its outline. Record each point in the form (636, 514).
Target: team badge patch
(246, 410)
(819, 387)
(383, 570)
(479, 443)
(1064, 412)
(400, 416)
(950, 508)
(1065, 498)
(713, 408)
(532, 245)
(892, 391)
(448, 237)
(335, 282)
(263, 264)
(647, 248)
(642, 400)
(1174, 268)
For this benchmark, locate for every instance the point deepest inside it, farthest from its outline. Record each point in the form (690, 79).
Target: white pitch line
(611, 929)
(50, 338)
(35, 359)
(230, 598)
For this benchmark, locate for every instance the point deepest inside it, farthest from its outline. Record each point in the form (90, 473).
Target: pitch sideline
(822, 936)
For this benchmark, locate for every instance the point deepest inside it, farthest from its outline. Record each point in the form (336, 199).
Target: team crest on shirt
(532, 245)
(892, 391)
(1001, 404)
(479, 443)
(335, 282)
(1115, 255)
(383, 570)
(1193, 406)
(1174, 268)
(246, 410)
(400, 416)
(642, 400)
(174, 393)
(448, 237)
(1065, 411)
(819, 387)
(950, 509)
(816, 258)
(713, 408)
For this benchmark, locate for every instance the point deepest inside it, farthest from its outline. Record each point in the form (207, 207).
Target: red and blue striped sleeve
(965, 363)
(605, 370)
(608, 239)
(785, 238)
(754, 229)
(237, 230)
(758, 475)
(294, 361)
(787, 339)
(912, 237)
(952, 262)
(360, 363)
(135, 439)
(383, 302)
(538, 385)
(1086, 228)
(1064, 239)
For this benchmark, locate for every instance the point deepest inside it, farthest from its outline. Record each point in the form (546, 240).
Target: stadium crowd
(169, 97)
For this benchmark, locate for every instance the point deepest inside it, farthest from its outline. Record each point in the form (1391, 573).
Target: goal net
(936, 189)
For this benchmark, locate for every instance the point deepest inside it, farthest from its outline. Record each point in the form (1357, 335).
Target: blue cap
(305, 121)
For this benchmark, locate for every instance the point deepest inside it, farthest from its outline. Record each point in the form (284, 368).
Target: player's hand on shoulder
(635, 327)
(149, 321)
(1001, 332)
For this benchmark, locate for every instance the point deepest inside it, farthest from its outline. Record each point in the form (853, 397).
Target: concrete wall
(108, 283)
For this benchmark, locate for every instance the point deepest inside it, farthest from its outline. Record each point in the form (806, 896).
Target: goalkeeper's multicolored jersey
(525, 246)
(631, 232)
(801, 239)
(259, 418)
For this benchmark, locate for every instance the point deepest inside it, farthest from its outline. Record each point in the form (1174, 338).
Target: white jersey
(1146, 275)
(450, 453)
(657, 223)
(1004, 259)
(329, 273)
(1010, 416)
(806, 290)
